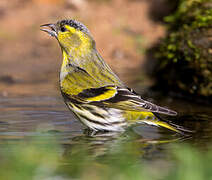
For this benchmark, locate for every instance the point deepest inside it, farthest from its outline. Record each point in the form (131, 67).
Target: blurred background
(30, 59)
(148, 43)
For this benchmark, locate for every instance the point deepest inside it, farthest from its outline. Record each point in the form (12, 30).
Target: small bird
(90, 89)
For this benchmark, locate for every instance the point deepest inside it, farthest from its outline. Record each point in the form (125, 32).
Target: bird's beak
(52, 31)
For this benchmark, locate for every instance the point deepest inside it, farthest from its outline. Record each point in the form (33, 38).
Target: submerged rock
(185, 54)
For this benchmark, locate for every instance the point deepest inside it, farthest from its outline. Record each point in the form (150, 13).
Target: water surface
(22, 118)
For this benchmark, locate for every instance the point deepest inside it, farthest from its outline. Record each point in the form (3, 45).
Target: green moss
(185, 58)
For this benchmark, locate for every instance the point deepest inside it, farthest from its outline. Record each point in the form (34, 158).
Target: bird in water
(90, 89)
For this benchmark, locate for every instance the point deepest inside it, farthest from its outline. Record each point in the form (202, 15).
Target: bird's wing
(119, 98)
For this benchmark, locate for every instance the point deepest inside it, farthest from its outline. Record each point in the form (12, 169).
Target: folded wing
(120, 98)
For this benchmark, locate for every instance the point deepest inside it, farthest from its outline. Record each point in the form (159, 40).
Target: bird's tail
(155, 120)
(168, 125)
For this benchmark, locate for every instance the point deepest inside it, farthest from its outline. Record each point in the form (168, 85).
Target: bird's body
(90, 88)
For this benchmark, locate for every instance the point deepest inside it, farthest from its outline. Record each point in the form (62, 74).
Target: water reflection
(23, 118)
(101, 143)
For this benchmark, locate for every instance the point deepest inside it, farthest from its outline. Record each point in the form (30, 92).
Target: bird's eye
(63, 29)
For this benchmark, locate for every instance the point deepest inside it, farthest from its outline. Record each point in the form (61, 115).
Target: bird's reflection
(143, 138)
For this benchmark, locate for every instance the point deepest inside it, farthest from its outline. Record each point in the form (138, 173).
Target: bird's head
(73, 36)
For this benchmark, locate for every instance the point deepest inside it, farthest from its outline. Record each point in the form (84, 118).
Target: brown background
(30, 59)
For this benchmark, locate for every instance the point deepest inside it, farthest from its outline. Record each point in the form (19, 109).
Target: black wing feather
(125, 99)
(127, 94)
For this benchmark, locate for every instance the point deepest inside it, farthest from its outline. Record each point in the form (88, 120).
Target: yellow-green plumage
(91, 89)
